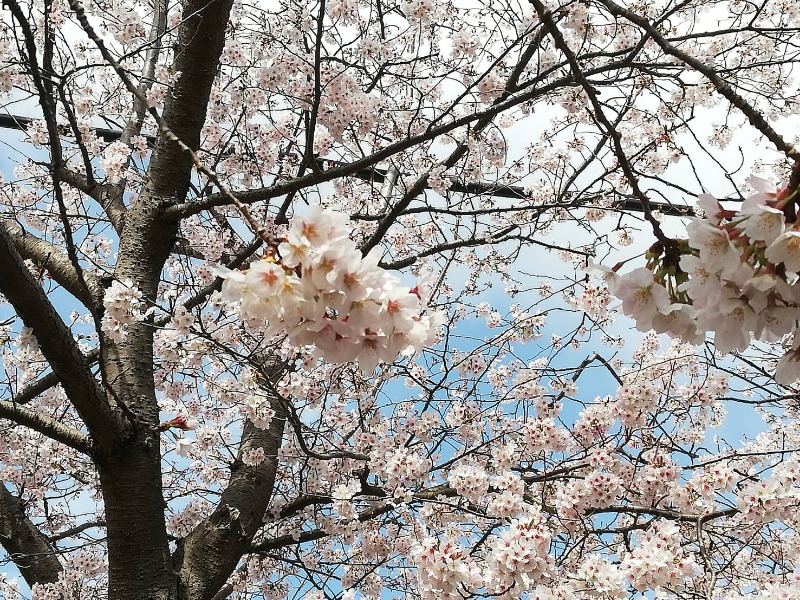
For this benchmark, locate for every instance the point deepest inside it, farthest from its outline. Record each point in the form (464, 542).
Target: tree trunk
(138, 549)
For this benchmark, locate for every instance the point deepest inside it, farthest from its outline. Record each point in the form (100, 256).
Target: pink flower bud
(179, 422)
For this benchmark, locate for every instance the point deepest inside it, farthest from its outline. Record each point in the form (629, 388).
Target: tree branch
(59, 348)
(47, 256)
(43, 82)
(32, 390)
(30, 550)
(210, 553)
(45, 382)
(158, 28)
(105, 195)
(180, 211)
(546, 17)
(46, 425)
(755, 117)
(73, 531)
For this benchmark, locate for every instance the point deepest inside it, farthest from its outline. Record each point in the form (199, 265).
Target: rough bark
(52, 259)
(139, 563)
(30, 550)
(58, 346)
(210, 553)
(138, 548)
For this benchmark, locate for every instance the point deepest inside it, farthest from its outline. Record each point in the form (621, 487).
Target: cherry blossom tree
(316, 299)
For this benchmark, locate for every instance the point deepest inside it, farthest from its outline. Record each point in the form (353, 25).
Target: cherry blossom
(123, 303)
(657, 560)
(734, 276)
(321, 292)
(445, 570)
(180, 422)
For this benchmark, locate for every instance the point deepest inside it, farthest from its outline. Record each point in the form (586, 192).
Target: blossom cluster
(735, 276)
(445, 570)
(122, 302)
(399, 466)
(517, 559)
(597, 489)
(520, 557)
(115, 160)
(657, 561)
(772, 498)
(603, 577)
(319, 289)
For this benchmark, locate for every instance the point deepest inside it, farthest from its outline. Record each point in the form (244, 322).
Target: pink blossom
(717, 251)
(340, 302)
(764, 223)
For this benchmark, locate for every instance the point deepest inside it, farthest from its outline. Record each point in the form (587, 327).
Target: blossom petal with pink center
(786, 250)
(764, 223)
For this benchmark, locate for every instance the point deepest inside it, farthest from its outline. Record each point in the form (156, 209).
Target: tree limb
(73, 531)
(210, 553)
(57, 344)
(45, 382)
(47, 256)
(33, 389)
(546, 17)
(46, 425)
(105, 195)
(755, 117)
(30, 550)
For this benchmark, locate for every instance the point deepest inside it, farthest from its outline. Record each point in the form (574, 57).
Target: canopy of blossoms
(294, 300)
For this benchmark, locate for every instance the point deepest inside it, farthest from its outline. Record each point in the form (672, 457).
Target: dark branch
(211, 552)
(378, 175)
(45, 425)
(29, 300)
(30, 550)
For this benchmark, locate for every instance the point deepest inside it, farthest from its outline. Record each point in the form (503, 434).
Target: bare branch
(210, 553)
(46, 425)
(755, 117)
(47, 256)
(546, 17)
